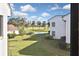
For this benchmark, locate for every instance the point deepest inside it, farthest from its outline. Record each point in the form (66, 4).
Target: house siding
(67, 19)
(60, 28)
(4, 11)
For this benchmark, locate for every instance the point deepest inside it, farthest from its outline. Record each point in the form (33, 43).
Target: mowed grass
(36, 45)
(14, 47)
(37, 29)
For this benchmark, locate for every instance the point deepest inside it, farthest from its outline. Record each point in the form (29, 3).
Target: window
(53, 24)
(1, 26)
(53, 33)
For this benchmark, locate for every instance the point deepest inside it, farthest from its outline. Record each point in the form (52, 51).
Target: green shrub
(67, 46)
(49, 37)
(29, 33)
(22, 31)
(12, 35)
(62, 43)
(48, 32)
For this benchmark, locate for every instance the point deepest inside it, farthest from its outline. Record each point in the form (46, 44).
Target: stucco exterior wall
(5, 12)
(67, 18)
(5, 9)
(60, 27)
(3, 40)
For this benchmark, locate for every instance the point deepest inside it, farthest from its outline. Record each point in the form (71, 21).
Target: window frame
(53, 24)
(53, 33)
(1, 26)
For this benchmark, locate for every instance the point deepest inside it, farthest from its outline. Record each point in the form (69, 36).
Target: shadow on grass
(35, 49)
(39, 48)
(35, 37)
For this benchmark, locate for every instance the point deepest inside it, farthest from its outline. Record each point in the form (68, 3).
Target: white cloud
(28, 8)
(37, 18)
(12, 6)
(67, 7)
(41, 19)
(21, 14)
(33, 17)
(55, 7)
(45, 14)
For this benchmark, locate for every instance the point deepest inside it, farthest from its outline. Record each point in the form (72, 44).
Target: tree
(48, 24)
(43, 24)
(21, 26)
(38, 23)
(33, 23)
(27, 24)
(19, 22)
(13, 21)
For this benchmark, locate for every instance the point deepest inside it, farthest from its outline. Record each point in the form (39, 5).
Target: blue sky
(39, 11)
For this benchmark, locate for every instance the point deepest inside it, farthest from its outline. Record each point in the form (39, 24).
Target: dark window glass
(1, 25)
(53, 24)
(53, 33)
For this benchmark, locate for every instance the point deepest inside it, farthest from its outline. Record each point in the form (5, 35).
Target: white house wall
(3, 41)
(5, 9)
(60, 28)
(5, 12)
(67, 18)
(5, 34)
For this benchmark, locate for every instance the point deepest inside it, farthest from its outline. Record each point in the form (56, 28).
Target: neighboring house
(5, 11)
(60, 27)
(12, 29)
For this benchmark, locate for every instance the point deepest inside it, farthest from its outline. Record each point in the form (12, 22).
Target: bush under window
(11, 35)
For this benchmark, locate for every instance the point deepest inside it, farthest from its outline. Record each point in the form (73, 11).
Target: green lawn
(36, 45)
(36, 29)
